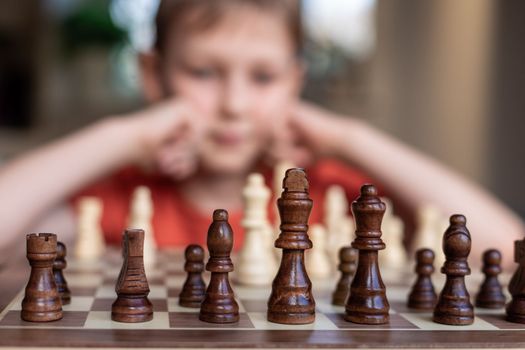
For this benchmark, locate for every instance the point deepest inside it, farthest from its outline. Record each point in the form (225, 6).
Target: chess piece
(367, 303)
(291, 300)
(132, 304)
(257, 263)
(317, 260)
(490, 294)
(279, 172)
(90, 244)
(430, 225)
(41, 302)
(339, 225)
(423, 296)
(219, 305)
(347, 266)
(516, 307)
(58, 267)
(193, 290)
(395, 258)
(141, 215)
(453, 306)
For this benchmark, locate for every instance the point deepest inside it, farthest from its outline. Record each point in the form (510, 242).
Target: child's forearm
(418, 179)
(39, 180)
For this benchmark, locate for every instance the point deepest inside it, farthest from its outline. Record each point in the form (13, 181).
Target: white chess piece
(90, 243)
(141, 214)
(394, 257)
(339, 224)
(256, 264)
(431, 225)
(317, 261)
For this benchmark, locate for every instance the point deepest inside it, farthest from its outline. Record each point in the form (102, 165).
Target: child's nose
(235, 97)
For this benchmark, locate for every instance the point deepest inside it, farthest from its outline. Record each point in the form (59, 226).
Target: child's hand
(306, 134)
(168, 134)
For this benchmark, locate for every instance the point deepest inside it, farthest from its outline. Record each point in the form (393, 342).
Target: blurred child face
(242, 74)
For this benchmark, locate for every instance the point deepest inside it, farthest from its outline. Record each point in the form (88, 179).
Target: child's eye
(263, 78)
(202, 73)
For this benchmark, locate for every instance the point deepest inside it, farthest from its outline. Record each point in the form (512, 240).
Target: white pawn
(256, 264)
(317, 261)
(394, 256)
(90, 243)
(141, 215)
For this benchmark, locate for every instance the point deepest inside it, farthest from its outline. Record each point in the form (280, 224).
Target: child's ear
(149, 69)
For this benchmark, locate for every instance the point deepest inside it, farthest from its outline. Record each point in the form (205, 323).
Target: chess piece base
(132, 310)
(191, 303)
(47, 316)
(453, 320)
(490, 304)
(516, 304)
(367, 319)
(291, 318)
(219, 318)
(422, 304)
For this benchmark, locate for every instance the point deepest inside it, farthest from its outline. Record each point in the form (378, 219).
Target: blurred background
(445, 76)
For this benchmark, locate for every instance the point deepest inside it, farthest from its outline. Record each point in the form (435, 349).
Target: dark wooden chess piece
(58, 267)
(291, 300)
(490, 294)
(219, 305)
(516, 307)
(132, 304)
(347, 267)
(423, 296)
(41, 302)
(367, 303)
(453, 306)
(193, 290)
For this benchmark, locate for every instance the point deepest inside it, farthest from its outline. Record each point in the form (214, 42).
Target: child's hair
(183, 16)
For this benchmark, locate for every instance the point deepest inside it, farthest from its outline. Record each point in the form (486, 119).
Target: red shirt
(176, 223)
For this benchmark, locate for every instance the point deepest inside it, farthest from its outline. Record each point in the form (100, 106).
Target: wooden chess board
(87, 320)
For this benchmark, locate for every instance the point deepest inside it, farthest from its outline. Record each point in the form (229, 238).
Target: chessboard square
(253, 305)
(191, 320)
(16, 303)
(399, 306)
(79, 304)
(102, 320)
(83, 291)
(321, 322)
(105, 291)
(253, 293)
(396, 322)
(174, 281)
(424, 321)
(104, 304)
(500, 321)
(69, 319)
(84, 279)
(325, 306)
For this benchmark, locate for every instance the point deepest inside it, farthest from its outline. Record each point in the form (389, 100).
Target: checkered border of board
(93, 292)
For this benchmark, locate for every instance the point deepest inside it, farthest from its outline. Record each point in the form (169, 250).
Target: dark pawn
(490, 294)
(454, 307)
(58, 266)
(347, 267)
(423, 296)
(41, 301)
(367, 303)
(291, 300)
(219, 305)
(516, 307)
(193, 290)
(132, 304)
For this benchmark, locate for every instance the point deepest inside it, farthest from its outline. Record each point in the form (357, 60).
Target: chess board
(87, 320)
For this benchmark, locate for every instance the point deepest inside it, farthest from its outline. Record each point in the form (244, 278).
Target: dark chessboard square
(173, 292)
(70, 319)
(83, 291)
(191, 320)
(396, 322)
(104, 304)
(501, 322)
(255, 305)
